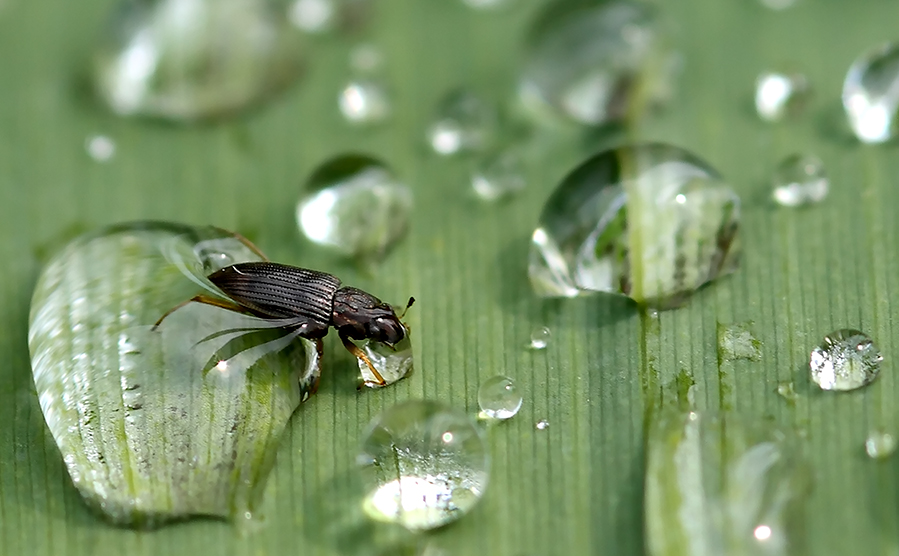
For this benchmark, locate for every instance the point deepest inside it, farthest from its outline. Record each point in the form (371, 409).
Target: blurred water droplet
(847, 359)
(498, 398)
(778, 95)
(540, 337)
(735, 341)
(354, 205)
(392, 363)
(779, 4)
(312, 16)
(366, 58)
(880, 445)
(364, 101)
(488, 4)
(463, 123)
(100, 147)
(541, 425)
(787, 392)
(800, 180)
(871, 93)
(596, 64)
(499, 175)
(424, 465)
(194, 59)
(651, 221)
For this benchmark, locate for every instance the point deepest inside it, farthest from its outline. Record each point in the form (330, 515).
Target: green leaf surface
(576, 487)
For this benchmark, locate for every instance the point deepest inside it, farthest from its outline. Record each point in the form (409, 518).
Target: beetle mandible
(309, 303)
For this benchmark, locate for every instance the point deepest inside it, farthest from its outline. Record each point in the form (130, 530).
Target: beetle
(307, 302)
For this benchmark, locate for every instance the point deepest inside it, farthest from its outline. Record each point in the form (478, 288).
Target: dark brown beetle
(308, 302)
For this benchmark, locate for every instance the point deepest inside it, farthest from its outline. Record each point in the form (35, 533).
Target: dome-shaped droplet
(463, 123)
(650, 221)
(424, 465)
(779, 94)
(499, 175)
(880, 445)
(540, 337)
(392, 363)
(846, 359)
(354, 205)
(595, 63)
(871, 94)
(800, 180)
(499, 398)
(194, 59)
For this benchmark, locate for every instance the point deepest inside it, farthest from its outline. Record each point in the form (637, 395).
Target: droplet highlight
(498, 398)
(880, 445)
(424, 465)
(541, 425)
(871, 94)
(800, 180)
(779, 95)
(847, 359)
(312, 16)
(100, 147)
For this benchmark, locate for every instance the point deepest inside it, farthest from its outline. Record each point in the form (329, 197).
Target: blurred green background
(575, 488)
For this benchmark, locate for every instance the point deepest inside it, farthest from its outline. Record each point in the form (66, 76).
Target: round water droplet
(871, 94)
(364, 101)
(355, 206)
(541, 425)
(596, 64)
(498, 398)
(100, 147)
(800, 180)
(880, 445)
(424, 465)
(540, 337)
(193, 59)
(778, 95)
(463, 123)
(499, 175)
(312, 16)
(845, 360)
(651, 221)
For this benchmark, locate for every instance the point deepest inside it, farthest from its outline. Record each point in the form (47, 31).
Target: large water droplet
(800, 180)
(845, 360)
(498, 398)
(130, 406)
(778, 95)
(192, 59)
(424, 464)
(650, 221)
(880, 445)
(463, 123)
(871, 94)
(354, 205)
(596, 64)
(499, 175)
(392, 363)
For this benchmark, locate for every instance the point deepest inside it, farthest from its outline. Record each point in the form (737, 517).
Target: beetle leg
(359, 354)
(249, 244)
(320, 348)
(224, 304)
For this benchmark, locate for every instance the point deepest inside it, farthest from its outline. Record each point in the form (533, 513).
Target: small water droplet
(194, 59)
(392, 363)
(463, 123)
(615, 224)
(487, 4)
(800, 180)
(845, 360)
(424, 465)
(735, 341)
(364, 101)
(354, 205)
(880, 445)
(100, 147)
(499, 175)
(871, 93)
(366, 58)
(312, 16)
(787, 392)
(778, 4)
(540, 337)
(541, 425)
(596, 65)
(778, 95)
(498, 398)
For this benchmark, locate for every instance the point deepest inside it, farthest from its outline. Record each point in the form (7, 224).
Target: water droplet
(100, 147)
(392, 363)
(463, 123)
(499, 175)
(487, 4)
(596, 64)
(355, 206)
(540, 337)
(779, 4)
(366, 58)
(541, 425)
(424, 465)
(498, 398)
(312, 16)
(194, 59)
(735, 341)
(800, 180)
(364, 101)
(778, 95)
(880, 445)
(787, 392)
(651, 221)
(871, 93)
(845, 360)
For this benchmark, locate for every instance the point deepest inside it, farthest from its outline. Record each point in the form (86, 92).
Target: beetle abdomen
(279, 291)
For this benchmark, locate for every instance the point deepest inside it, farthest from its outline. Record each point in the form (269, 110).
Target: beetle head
(360, 315)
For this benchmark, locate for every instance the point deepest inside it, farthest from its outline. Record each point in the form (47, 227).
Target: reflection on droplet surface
(499, 175)
(778, 95)
(354, 205)
(463, 123)
(845, 360)
(871, 94)
(735, 341)
(312, 16)
(541, 425)
(651, 221)
(498, 398)
(392, 364)
(193, 59)
(100, 147)
(540, 337)
(596, 64)
(880, 445)
(800, 180)
(424, 465)
(364, 101)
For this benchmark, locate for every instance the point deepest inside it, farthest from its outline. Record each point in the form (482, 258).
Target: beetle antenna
(408, 304)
